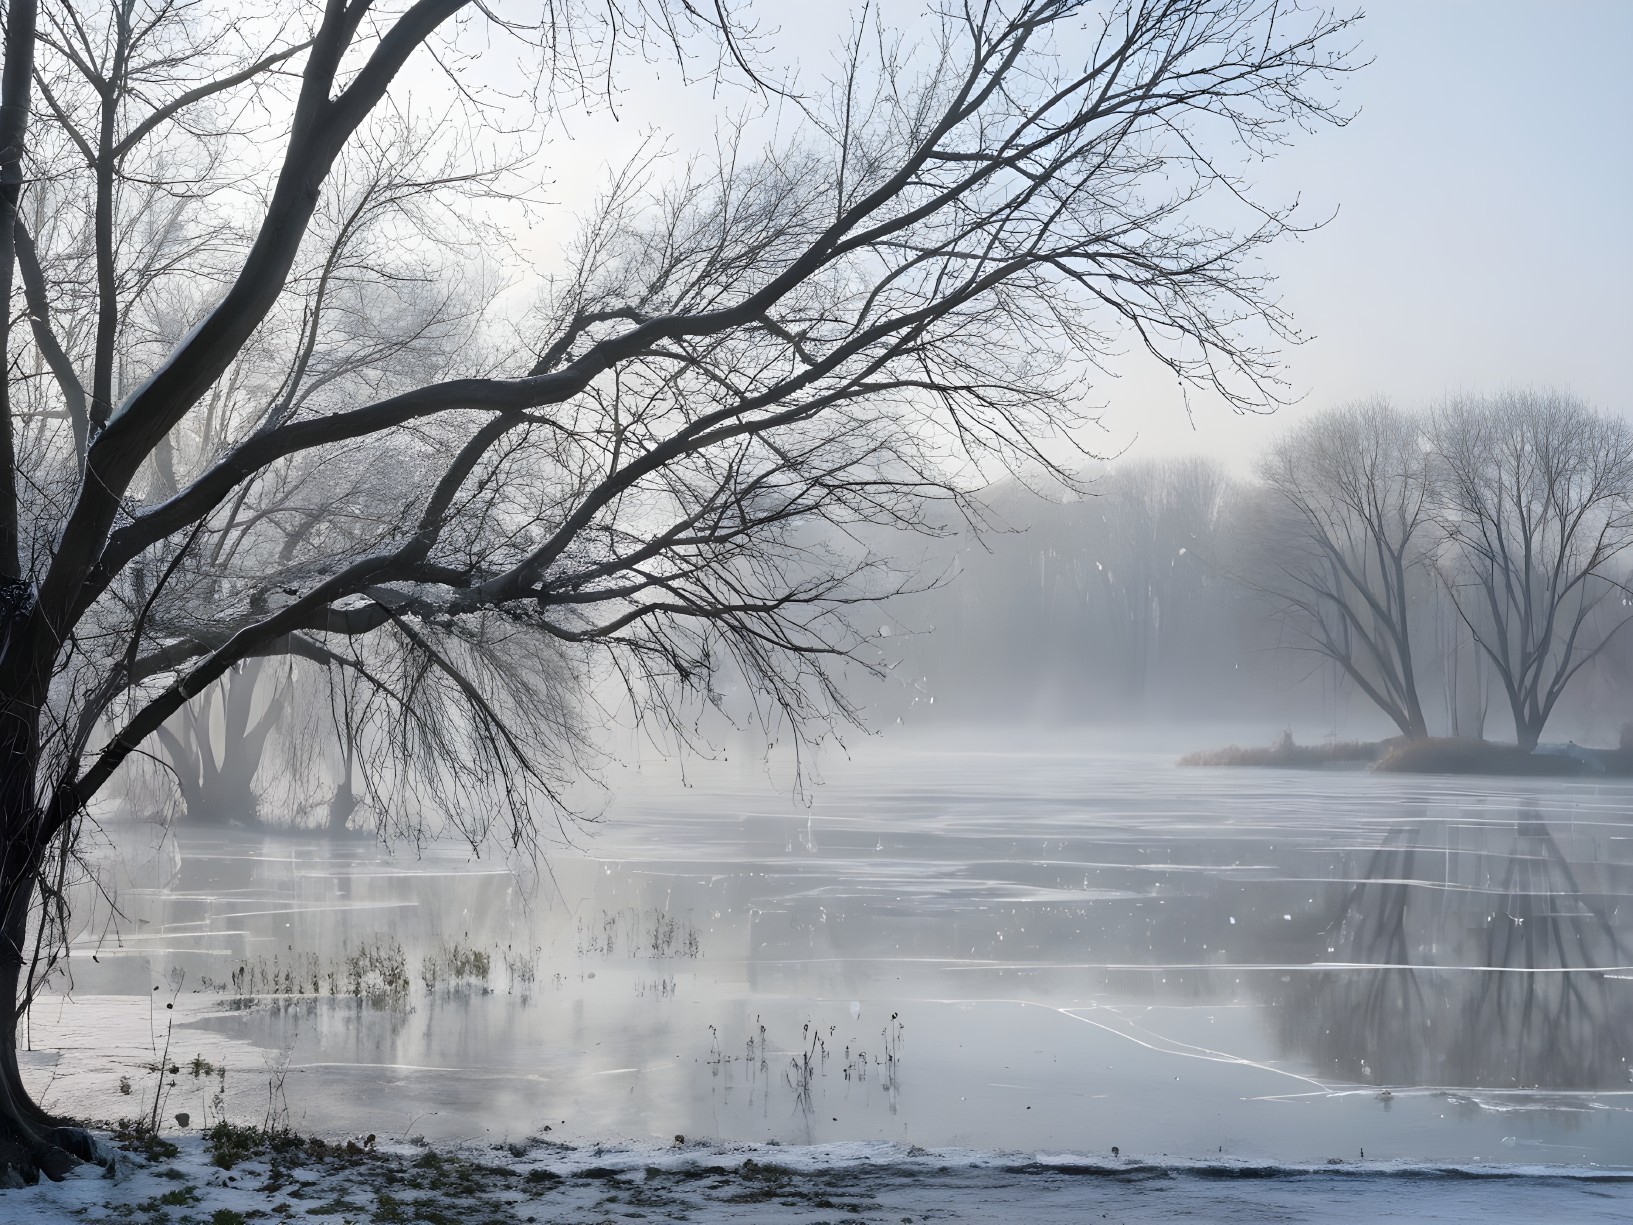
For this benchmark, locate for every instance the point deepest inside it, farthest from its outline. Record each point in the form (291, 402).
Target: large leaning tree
(820, 329)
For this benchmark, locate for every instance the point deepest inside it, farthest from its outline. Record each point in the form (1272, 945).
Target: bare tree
(1537, 507)
(1345, 547)
(922, 276)
(216, 772)
(360, 310)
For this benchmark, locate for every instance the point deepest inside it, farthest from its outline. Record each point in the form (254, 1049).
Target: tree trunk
(1527, 729)
(341, 807)
(31, 1141)
(232, 799)
(344, 802)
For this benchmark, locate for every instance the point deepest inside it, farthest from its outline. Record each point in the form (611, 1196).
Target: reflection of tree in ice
(1560, 1021)
(1479, 960)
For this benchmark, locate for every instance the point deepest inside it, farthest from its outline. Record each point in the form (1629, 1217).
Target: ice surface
(1078, 951)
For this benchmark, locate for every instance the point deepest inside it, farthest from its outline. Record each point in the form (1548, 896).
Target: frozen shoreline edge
(539, 1179)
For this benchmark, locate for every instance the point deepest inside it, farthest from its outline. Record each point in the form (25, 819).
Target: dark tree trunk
(341, 807)
(218, 787)
(233, 800)
(1528, 719)
(345, 801)
(31, 1141)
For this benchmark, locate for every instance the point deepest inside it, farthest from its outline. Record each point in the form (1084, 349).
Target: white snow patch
(539, 1180)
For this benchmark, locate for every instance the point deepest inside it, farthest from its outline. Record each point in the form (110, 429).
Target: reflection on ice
(972, 948)
(1479, 954)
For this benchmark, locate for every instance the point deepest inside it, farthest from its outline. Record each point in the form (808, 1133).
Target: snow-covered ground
(541, 1181)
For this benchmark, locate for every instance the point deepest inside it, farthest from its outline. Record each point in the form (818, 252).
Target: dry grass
(1285, 755)
(1441, 755)
(1434, 755)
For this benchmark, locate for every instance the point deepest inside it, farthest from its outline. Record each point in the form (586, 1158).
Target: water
(969, 947)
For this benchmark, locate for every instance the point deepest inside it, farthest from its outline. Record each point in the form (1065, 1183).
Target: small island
(1429, 755)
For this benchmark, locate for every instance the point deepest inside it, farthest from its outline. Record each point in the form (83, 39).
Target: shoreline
(1428, 755)
(536, 1179)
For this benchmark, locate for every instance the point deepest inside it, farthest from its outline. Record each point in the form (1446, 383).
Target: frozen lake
(980, 948)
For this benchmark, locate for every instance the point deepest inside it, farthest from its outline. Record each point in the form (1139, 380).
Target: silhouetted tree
(819, 331)
(1344, 546)
(1536, 505)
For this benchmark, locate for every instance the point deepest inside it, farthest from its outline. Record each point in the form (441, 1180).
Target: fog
(1039, 578)
(977, 904)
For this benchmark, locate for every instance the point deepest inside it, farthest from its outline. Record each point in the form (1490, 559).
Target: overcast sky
(1484, 234)
(1480, 201)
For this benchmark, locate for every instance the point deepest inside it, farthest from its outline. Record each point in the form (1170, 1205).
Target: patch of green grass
(227, 1216)
(140, 1136)
(231, 1143)
(181, 1197)
(334, 1207)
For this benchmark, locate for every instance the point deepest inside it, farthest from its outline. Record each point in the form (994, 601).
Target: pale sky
(1484, 234)
(1483, 194)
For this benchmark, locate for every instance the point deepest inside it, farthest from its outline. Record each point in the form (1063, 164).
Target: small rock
(182, 1119)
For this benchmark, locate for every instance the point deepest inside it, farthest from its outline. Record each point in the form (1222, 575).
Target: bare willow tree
(1537, 510)
(365, 305)
(921, 277)
(1346, 544)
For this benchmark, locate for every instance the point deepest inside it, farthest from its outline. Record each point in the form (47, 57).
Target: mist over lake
(892, 611)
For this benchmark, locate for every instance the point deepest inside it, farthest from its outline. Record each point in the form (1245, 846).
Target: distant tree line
(1087, 606)
(1436, 564)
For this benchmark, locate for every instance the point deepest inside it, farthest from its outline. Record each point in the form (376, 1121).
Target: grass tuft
(1286, 755)
(1442, 755)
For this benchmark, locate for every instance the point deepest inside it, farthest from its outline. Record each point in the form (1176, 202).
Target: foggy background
(1472, 237)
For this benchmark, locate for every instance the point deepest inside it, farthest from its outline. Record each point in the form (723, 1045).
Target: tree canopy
(264, 396)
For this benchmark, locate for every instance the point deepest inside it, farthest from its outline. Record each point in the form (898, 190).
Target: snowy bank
(539, 1180)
